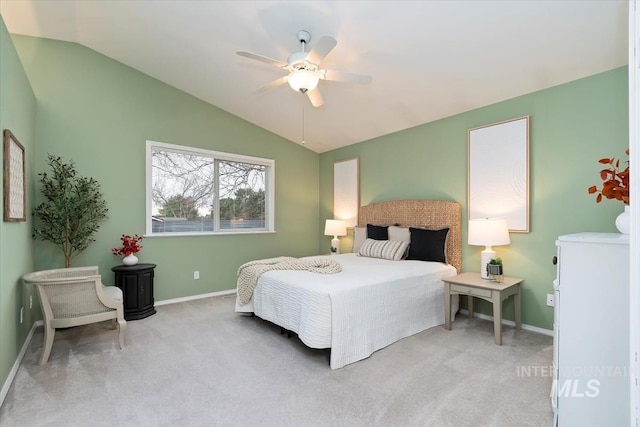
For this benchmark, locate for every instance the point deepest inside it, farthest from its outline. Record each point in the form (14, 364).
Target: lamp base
(335, 246)
(485, 257)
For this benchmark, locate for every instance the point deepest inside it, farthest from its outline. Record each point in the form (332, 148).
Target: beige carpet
(199, 364)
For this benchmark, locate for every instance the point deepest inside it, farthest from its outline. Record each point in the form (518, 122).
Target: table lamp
(335, 228)
(488, 232)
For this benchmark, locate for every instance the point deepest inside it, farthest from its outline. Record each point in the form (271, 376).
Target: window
(196, 191)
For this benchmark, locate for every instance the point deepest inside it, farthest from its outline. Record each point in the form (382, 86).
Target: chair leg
(122, 327)
(49, 334)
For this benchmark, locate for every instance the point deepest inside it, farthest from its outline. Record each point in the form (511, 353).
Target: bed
(372, 302)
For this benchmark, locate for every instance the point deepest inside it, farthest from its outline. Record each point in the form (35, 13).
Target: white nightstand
(472, 285)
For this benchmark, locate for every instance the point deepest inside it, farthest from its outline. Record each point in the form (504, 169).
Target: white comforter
(369, 305)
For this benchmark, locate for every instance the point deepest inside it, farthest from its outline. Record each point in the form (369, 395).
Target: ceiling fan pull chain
(303, 125)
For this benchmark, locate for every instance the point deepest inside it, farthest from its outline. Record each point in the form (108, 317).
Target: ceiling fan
(304, 68)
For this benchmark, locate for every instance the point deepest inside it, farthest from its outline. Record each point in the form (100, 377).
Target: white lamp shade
(303, 79)
(335, 227)
(489, 232)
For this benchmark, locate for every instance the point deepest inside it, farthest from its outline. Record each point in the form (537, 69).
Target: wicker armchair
(73, 297)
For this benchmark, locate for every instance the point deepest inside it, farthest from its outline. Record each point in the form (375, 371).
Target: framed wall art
(14, 179)
(346, 191)
(499, 172)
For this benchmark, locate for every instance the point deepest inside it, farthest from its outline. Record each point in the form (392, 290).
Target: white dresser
(591, 331)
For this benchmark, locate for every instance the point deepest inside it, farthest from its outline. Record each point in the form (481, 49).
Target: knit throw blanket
(249, 273)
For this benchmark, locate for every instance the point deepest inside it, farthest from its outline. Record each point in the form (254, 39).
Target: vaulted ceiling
(427, 59)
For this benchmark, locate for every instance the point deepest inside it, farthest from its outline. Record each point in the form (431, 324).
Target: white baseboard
(542, 331)
(194, 297)
(16, 365)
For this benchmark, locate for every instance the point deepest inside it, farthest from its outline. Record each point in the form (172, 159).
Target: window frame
(269, 164)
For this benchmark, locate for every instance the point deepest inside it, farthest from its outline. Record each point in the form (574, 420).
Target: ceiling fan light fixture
(304, 72)
(303, 80)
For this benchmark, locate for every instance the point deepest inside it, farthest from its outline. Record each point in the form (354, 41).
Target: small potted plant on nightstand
(494, 269)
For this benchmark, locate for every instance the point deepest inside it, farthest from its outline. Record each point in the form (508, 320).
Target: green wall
(18, 114)
(99, 113)
(572, 126)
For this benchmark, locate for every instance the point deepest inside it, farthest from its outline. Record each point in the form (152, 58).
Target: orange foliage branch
(615, 182)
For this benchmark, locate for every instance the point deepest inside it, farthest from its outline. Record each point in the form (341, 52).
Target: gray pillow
(399, 233)
(359, 236)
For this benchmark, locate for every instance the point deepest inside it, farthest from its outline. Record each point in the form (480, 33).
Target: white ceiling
(428, 59)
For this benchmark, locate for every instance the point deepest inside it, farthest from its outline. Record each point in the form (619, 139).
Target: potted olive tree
(73, 209)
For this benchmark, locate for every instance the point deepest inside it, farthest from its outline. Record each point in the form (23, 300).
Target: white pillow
(359, 236)
(399, 233)
(392, 250)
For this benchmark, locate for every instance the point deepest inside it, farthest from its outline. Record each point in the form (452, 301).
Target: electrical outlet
(551, 300)
(30, 301)
(21, 314)
(196, 275)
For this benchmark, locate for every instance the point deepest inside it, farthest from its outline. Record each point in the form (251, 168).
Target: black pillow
(428, 245)
(377, 232)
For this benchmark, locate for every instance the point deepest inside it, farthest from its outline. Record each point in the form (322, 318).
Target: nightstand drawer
(466, 290)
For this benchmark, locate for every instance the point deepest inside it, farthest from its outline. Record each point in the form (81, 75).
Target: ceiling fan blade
(323, 46)
(345, 77)
(273, 84)
(261, 58)
(315, 97)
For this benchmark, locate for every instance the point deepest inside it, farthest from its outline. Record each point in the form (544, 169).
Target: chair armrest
(104, 298)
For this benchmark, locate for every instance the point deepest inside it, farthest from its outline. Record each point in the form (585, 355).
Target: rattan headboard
(433, 214)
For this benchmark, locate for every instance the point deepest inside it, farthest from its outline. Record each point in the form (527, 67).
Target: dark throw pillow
(428, 245)
(377, 232)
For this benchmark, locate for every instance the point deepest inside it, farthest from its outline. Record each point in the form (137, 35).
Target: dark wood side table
(136, 282)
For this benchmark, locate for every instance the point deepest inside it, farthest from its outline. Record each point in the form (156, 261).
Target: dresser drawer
(466, 290)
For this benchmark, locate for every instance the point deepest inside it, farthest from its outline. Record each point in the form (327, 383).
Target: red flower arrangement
(130, 245)
(615, 181)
